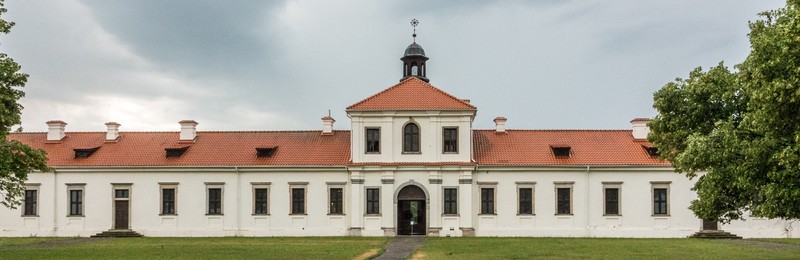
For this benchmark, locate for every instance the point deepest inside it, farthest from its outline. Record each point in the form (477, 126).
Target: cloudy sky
(270, 65)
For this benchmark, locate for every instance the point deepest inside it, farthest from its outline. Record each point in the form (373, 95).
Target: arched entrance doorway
(411, 211)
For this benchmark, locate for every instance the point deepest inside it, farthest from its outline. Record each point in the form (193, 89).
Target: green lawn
(190, 248)
(607, 248)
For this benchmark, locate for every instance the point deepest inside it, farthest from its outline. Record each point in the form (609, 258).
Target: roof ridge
(428, 84)
(560, 130)
(176, 132)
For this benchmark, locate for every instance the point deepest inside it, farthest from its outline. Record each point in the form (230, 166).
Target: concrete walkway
(401, 247)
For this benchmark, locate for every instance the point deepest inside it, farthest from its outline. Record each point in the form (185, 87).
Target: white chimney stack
(327, 125)
(188, 130)
(640, 128)
(112, 131)
(55, 130)
(500, 124)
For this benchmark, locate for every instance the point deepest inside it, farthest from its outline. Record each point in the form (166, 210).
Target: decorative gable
(412, 94)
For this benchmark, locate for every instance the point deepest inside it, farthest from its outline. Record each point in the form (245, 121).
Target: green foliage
(16, 159)
(740, 131)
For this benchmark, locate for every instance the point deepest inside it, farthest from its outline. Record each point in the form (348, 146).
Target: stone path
(401, 247)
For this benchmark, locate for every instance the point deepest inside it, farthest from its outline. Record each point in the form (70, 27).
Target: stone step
(118, 233)
(714, 234)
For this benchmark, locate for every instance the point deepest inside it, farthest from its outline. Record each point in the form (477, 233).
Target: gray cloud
(282, 64)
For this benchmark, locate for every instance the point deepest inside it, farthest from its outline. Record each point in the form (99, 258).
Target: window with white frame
(660, 191)
(260, 198)
(450, 200)
(525, 198)
(373, 201)
(563, 192)
(169, 198)
(31, 200)
(487, 197)
(297, 197)
(75, 194)
(336, 198)
(612, 194)
(214, 195)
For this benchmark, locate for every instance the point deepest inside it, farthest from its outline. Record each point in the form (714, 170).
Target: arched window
(411, 138)
(415, 70)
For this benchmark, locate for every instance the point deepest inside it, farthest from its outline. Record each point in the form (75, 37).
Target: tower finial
(414, 24)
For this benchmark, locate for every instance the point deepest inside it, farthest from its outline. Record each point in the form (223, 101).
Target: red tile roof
(412, 94)
(310, 148)
(295, 148)
(533, 147)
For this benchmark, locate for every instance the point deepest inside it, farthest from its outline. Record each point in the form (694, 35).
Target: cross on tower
(414, 24)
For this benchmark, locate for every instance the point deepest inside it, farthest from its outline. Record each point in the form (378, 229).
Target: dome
(414, 50)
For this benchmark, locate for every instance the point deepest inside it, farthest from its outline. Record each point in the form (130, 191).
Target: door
(411, 217)
(121, 214)
(709, 225)
(122, 209)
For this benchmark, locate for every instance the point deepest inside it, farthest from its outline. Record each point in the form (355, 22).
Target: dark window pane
(564, 205)
(450, 201)
(612, 201)
(336, 205)
(660, 201)
(298, 201)
(373, 140)
(373, 201)
(121, 193)
(261, 205)
(167, 201)
(30, 202)
(525, 201)
(411, 138)
(450, 140)
(487, 201)
(215, 201)
(76, 202)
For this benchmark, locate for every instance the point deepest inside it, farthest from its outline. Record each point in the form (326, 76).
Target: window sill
(168, 215)
(487, 214)
(451, 215)
(412, 153)
(449, 152)
(565, 214)
(215, 214)
(75, 216)
(29, 216)
(298, 214)
(526, 214)
(260, 214)
(659, 215)
(337, 214)
(612, 215)
(372, 153)
(373, 215)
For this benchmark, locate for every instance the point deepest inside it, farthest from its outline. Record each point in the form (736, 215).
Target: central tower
(414, 58)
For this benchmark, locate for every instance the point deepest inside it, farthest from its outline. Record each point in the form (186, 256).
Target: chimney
(55, 130)
(188, 130)
(640, 128)
(500, 124)
(327, 125)
(112, 131)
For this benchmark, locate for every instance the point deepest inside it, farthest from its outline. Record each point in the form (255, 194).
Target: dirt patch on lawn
(418, 256)
(763, 244)
(367, 255)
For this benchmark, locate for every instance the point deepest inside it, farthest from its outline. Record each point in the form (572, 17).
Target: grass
(607, 248)
(190, 248)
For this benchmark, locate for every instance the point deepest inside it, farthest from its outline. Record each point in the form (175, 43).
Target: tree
(16, 159)
(738, 132)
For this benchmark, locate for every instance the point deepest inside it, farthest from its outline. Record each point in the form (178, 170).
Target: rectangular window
(214, 201)
(611, 201)
(336, 197)
(450, 137)
(525, 201)
(450, 201)
(31, 201)
(298, 201)
(564, 201)
(373, 140)
(168, 201)
(373, 201)
(487, 201)
(75, 202)
(261, 204)
(660, 201)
